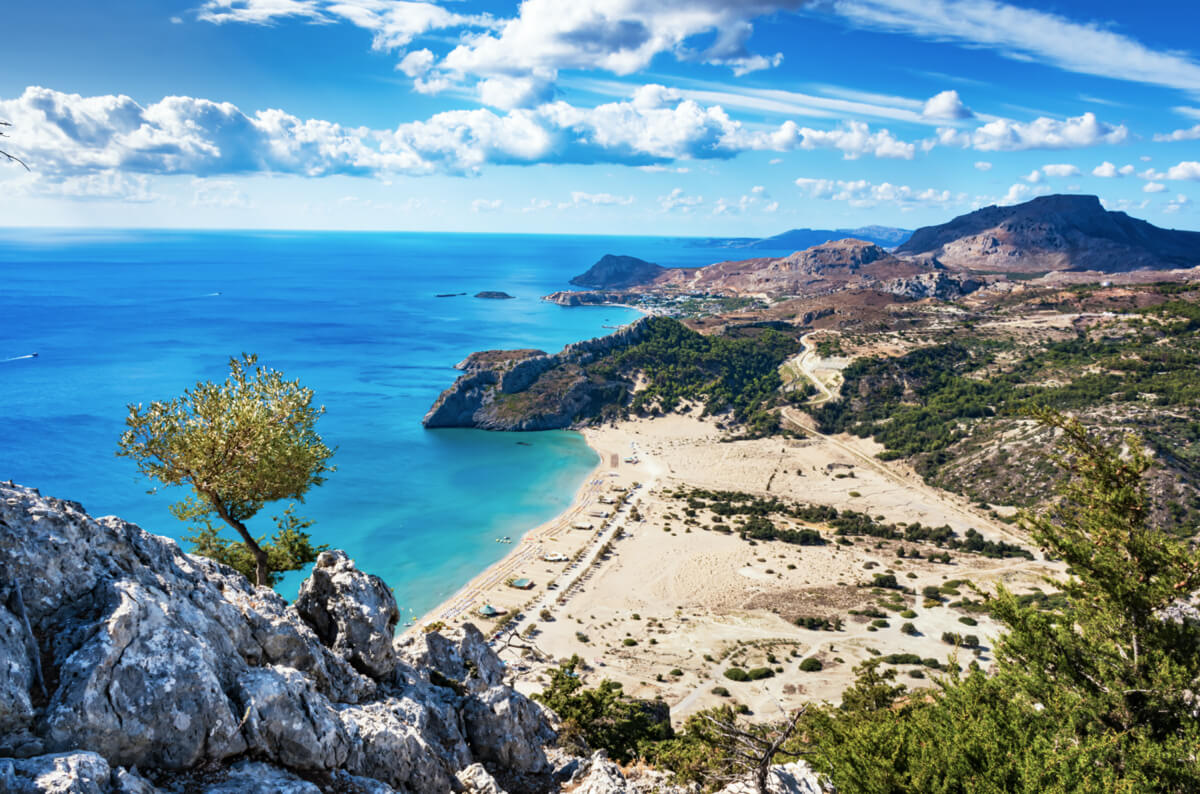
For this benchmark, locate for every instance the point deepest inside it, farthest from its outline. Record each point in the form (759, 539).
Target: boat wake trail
(18, 358)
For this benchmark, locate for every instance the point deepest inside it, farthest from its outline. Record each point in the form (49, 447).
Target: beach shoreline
(554, 535)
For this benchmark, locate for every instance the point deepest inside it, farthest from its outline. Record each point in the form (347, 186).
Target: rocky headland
(129, 666)
(529, 390)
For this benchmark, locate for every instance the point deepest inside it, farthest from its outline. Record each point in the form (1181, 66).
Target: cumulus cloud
(63, 135)
(1124, 205)
(1108, 170)
(1020, 192)
(1060, 169)
(1189, 169)
(983, 165)
(545, 36)
(946, 105)
(537, 205)
(1005, 135)
(862, 193)
(1190, 134)
(1034, 176)
(1028, 35)
(1154, 187)
(854, 139)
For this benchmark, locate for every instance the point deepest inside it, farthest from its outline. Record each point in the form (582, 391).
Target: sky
(660, 117)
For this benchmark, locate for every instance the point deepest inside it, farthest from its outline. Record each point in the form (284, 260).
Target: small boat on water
(505, 539)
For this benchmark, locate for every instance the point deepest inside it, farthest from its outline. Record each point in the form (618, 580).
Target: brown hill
(823, 268)
(1060, 232)
(617, 272)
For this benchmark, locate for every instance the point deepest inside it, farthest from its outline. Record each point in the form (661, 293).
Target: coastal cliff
(527, 391)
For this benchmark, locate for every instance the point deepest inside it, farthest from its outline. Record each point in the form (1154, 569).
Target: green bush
(736, 674)
(758, 673)
(811, 665)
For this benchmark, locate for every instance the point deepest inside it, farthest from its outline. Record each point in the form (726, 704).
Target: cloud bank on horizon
(685, 116)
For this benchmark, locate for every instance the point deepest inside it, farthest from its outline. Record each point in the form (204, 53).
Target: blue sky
(688, 117)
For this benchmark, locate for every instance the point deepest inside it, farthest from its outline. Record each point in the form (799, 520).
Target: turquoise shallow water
(121, 317)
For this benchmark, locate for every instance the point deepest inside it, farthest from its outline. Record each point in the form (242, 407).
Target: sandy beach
(657, 600)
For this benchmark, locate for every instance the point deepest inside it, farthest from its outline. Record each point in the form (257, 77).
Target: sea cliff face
(531, 392)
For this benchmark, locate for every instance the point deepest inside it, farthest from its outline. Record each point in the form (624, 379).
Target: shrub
(811, 665)
(909, 629)
(908, 613)
(676, 672)
(758, 673)
(880, 623)
(628, 642)
(720, 691)
(968, 621)
(736, 674)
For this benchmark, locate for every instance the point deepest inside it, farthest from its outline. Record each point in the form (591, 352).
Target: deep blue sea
(118, 317)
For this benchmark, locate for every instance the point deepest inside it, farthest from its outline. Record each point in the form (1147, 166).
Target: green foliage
(289, 549)
(603, 717)
(811, 665)
(737, 674)
(1091, 693)
(237, 445)
(727, 372)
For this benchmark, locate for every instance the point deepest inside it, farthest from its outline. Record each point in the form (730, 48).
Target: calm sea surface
(133, 316)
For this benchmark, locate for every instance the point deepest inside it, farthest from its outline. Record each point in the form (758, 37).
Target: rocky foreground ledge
(128, 666)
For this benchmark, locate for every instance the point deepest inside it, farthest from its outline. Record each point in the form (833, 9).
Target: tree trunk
(763, 774)
(262, 571)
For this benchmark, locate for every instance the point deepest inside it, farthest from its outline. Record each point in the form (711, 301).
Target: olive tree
(237, 445)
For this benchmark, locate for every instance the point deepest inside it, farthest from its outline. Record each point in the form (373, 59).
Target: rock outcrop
(1060, 232)
(935, 284)
(532, 392)
(179, 667)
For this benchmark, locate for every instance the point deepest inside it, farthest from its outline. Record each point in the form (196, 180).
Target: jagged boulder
(353, 613)
(174, 663)
(796, 777)
(69, 773)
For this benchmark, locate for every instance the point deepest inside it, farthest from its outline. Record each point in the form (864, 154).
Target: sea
(130, 316)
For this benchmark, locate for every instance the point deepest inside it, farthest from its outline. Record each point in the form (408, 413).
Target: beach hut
(581, 525)
(554, 557)
(599, 514)
(521, 584)
(489, 611)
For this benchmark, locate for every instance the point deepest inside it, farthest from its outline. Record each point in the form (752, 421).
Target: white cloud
(393, 23)
(1190, 134)
(679, 201)
(1028, 35)
(862, 193)
(1019, 192)
(759, 190)
(1060, 169)
(582, 199)
(1154, 187)
(62, 135)
(983, 165)
(1033, 177)
(1004, 135)
(487, 205)
(1190, 112)
(1152, 174)
(1176, 204)
(1108, 170)
(946, 105)
(1189, 169)
(854, 139)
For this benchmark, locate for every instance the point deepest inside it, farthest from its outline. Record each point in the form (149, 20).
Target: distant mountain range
(799, 239)
(1050, 233)
(1059, 232)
